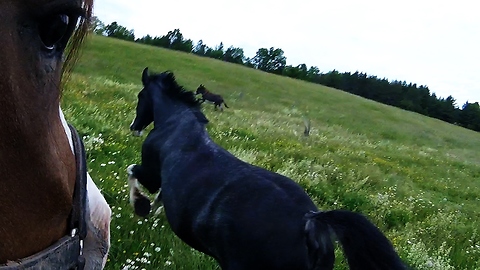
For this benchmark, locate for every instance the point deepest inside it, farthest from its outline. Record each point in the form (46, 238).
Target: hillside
(417, 178)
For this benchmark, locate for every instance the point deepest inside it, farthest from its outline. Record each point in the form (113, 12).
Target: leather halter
(66, 253)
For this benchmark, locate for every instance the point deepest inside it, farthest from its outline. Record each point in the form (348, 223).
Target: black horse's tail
(363, 243)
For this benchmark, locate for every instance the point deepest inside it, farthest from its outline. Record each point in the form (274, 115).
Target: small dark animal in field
(242, 215)
(217, 100)
(307, 123)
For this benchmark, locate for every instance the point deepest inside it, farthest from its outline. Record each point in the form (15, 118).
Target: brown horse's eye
(55, 30)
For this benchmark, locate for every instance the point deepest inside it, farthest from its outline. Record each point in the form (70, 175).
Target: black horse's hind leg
(140, 202)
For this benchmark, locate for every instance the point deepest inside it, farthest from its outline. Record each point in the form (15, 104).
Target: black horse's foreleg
(140, 202)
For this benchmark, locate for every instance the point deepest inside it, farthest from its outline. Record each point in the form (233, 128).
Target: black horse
(216, 99)
(244, 216)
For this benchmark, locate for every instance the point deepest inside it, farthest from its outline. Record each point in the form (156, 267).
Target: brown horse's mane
(78, 38)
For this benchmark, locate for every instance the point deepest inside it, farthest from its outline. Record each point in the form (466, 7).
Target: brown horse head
(36, 162)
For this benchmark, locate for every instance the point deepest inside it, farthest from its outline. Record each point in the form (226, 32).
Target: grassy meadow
(416, 178)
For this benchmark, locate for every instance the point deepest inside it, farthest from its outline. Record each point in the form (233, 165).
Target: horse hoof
(142, 206)
(130, 169)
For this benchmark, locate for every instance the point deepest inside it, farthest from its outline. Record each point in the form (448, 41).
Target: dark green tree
(270, 60)
(162, 41)
(216, 53)
(332, 79)
(117, 31)
(313, 73)
(249, 62)
(96, 26)
(145, 40)
(447, 110)
(200, 48)
(234, 55)
(469, 117)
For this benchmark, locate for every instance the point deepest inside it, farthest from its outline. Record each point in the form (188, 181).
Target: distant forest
(408, 96)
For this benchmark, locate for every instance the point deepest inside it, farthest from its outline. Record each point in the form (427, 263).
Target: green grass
(416, 178)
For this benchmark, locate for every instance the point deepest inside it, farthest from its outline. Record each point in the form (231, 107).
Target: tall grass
(416, 178)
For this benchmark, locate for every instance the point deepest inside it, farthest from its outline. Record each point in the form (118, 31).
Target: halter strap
(77, 217)
(66, 253)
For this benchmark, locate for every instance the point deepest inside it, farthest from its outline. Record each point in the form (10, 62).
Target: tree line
(408, 96)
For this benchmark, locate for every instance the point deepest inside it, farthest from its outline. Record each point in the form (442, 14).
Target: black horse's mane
(174, 90)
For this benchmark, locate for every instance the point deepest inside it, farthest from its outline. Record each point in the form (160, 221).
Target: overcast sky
(433, 43)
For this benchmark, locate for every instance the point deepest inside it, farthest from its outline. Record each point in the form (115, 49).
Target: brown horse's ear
(145, 76)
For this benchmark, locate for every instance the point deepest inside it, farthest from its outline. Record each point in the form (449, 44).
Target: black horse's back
(244, 216)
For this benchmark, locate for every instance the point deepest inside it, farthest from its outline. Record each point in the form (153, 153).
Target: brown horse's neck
(38, 176)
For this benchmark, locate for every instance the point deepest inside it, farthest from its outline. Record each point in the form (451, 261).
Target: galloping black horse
(243, 216)
(216, 99)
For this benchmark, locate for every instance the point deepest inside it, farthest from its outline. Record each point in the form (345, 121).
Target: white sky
(433, 43)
